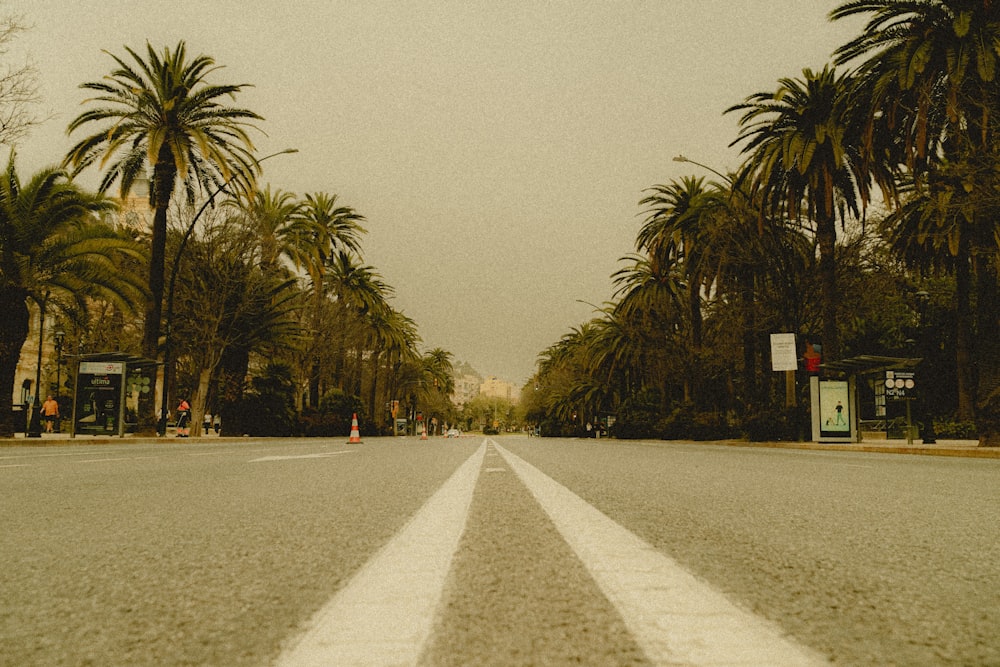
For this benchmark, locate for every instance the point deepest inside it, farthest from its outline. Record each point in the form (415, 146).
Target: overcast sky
(498, 149)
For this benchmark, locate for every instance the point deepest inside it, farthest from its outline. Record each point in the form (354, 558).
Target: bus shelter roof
(129, 359)
(869, 363)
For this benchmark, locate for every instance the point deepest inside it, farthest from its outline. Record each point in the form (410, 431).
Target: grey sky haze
(497, 149)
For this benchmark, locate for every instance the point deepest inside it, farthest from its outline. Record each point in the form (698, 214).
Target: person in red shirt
(183, 419)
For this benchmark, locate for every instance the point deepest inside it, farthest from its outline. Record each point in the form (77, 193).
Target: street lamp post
(59, 336)
(162, 426)
(929, 436)
(34, 422)
(682, 158)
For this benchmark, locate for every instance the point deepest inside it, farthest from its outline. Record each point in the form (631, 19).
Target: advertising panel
(98, 397)
(834, 409)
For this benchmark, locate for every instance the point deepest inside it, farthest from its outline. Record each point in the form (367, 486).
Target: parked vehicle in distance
(453, 433)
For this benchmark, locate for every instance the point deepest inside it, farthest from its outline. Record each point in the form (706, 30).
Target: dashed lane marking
(323, 455)
(121, 458)
(384, 615)
(675, 618)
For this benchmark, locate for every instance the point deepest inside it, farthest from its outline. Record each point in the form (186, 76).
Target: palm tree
(230, 307)
(675, 233)
(389, 334)
(276, 219)
(804, 157)
(655, 297)
(162, 113)
(931, 78)
(332, 227)
(53, 251)
(438, 365)
(356, 289)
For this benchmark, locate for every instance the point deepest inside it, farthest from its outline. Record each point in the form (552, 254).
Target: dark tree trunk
(987, 350)
(965, 371)
(164, 176)
(13, 333)
(233, 367)
(751, 392)
(826, 238)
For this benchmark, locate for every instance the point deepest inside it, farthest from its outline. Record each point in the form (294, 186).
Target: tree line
(863, 218)
(274, 322)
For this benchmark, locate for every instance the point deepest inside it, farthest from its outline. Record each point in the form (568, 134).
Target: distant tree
(227, 302)
(931, 78)
(804, 155)
(18, 87)
(54, 252)
(161, 112)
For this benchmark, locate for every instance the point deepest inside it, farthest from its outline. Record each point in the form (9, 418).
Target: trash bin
(20, 418)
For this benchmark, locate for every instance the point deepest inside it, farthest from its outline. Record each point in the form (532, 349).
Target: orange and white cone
(355, 433)
(423, 434)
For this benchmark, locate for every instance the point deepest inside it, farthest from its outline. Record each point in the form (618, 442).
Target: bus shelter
(107, 384)
(853, 388)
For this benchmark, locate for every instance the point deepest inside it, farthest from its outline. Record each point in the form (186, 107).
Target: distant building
(466, 389)
(497, 388)
(134, 210)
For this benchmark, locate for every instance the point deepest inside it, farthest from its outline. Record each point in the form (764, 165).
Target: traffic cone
(355, 433)
(423, 434)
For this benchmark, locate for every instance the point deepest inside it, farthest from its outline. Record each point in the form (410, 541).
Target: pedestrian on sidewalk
(50, 412)
(183, 419)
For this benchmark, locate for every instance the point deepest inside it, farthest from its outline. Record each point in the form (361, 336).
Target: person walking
(50, 412)
(183, 419)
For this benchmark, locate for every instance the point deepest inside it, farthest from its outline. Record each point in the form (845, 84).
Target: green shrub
(334, 417)
(771, 426)
(955, 430)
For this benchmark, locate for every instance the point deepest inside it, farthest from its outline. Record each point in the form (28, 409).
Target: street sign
(900, 385)
(783, 356)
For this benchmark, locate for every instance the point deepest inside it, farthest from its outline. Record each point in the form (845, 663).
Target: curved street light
(682, 158)
(162, 426)
(34, 419)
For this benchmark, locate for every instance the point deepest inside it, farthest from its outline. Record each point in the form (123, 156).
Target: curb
(970, 450)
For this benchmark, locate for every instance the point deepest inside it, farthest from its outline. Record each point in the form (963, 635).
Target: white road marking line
(299, 456)
(16, 465)
(123, 458)
(674, 617)
(384, 615)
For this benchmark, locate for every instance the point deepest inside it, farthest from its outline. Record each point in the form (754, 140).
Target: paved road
(568, 552)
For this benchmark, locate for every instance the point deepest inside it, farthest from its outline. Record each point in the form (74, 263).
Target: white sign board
(102, 367)
(783, 356)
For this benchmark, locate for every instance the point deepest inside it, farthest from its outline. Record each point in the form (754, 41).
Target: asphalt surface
(218, 551)
(190, 554)
(517, 595)
(867, 558)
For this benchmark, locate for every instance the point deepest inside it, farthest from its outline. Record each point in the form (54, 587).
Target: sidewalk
(54, 439)
(963, 448)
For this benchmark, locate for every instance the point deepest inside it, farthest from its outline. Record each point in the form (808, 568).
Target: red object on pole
(355, 433)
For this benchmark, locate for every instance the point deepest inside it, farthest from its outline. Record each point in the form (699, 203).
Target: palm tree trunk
(987, 341)
(164, 175)
(963, 338)
(826, 239)
(750, 392)
(373, 390)
(232, 373)
(198, 400)
(697, 337)
(13, 333)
